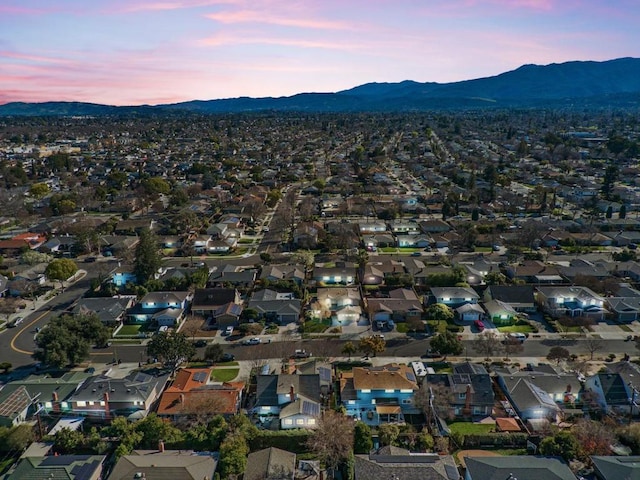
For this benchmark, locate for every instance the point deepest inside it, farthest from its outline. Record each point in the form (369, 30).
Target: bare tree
(488, 344)
(512, 346)
(593, 345)
(332, 441)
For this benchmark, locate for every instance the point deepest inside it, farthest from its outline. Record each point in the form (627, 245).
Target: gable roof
(615, 468)
(385, 377)
(512, 293)
(270, 463)
(59, 467)
(522, 467)
(164, 465)
(394, 462)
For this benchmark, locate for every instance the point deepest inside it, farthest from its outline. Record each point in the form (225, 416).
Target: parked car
(514, 337)
(17, 321)
(228, 331)
(251, 341)
(301, 354)
(228, 357)
(200, 343)
(416, 254)
(479, 325)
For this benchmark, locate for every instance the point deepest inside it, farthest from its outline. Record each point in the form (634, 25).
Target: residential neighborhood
(441, 296)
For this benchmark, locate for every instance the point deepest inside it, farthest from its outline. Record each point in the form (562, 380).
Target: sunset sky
(129, 52)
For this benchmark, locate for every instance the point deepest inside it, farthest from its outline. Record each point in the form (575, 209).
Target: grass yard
(625, 328)
(402, 327)
(469, 428)
(224, 374)
(517, 329)
(437, 326)
(316, 325)
(129, 330)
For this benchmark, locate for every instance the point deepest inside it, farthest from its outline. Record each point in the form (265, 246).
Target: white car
(515, 337)
(251, 341)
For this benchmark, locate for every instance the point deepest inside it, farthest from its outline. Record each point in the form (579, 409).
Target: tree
(362, 442)
(594, 437)
(171, 347)
(31, 257)
(147, 261)
(233, 455)
(16, 439)
(67, 339)
(495, 278)
(558, 354)
(213, 353)
(512, 346)
(563, 444)
(371, 345)
(415, 324)
(332, 441)
(68, 441)
(349, 349)
(39, 190)
(61, 269)
(388, 433)
(488, 344)
(440, 311)
(593, 345)
(446, 343)
(154, 429)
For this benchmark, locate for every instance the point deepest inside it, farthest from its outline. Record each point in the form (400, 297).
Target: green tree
(31, 257)
(558, 354)
(16, 439)
(154, 429)
(362, 443)
(349, 349)
(440, 312)
(171, 347)
(61, 269)
(446, 343)
(563, 444)
(68, 338)
(495, 278)
(213, 353)
(371, 345)
(155, 186)
(39, 190)
(148, 259)
(68, 441)
(233, 455)
(388, 433)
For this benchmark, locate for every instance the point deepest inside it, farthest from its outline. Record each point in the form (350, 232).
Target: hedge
(292, 440)
(496, 440)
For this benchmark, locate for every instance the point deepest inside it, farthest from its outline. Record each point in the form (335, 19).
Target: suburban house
(375, 273)
(274, 306)
(123, 275)
(14, 406)
(234, 275)
(192, 393)
(372, 226)
(535, 272)
(294, 400)
(453, 296)
(520, 467)
(518, 297)
(378, 395)
(573, 301)
(397, 463)
(500, 313)
(625, 305)
(71, 467)
(110, 310)
(610, 392)
(165, 308)
(4, 285)
(161, 463)
(401, 305)
(540, 394)
(340, 273)
(102, 398)
(208, 300)
(270, 464)
(342, 304)
(469, 388)
(275, 273)
(611, 467)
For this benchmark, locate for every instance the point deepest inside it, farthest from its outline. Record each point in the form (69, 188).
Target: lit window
(365, 390)
(102, 404)
(373, 401)
(299, 421)
(91, 404)
(462, 396)
(81, 403)
(288, 421)
(311, 421)
(389, 390)
(351, 402)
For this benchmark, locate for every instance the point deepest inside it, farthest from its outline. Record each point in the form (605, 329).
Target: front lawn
(315, 325)
(469, 428)
(224, 374)
(402, 327)
(129, 330)
(517, 329)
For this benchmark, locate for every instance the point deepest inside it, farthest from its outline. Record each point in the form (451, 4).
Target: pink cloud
(224, 39)
(172, 5)
(286, 20)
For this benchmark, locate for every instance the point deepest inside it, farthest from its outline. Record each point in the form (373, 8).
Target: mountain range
(574, 85)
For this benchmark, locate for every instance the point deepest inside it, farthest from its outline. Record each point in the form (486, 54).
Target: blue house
(378, 395)
(167, 308)
(453, 296)
(123, 275)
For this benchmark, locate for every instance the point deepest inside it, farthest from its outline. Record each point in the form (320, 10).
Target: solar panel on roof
(86, 471)
(411, 376)
(325, 374)
(200, 377)
(310, 408)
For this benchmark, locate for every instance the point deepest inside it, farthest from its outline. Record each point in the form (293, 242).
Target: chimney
(161, 446)
(107, 414)
(292, 393)
(55, 402)
(182, 399)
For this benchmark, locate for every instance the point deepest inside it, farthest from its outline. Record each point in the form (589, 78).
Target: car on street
(416, 254)
(251, 341)
(17, 321)
(514, 337)
(227, 357)
(200, 343)
(298, 353)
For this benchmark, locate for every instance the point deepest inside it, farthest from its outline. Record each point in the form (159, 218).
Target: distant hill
(613, 83)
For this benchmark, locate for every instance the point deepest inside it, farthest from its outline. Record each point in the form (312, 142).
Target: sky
(133, 52)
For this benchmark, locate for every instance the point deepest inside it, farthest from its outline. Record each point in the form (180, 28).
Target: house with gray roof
(69, 467)
(274, 273)
(391, 462)
(281, 307)
(615, 468)
(574, 301)
(518, 297)
(270, 464)
(14, 407)
(110, 310)
(520, 467)
(164, 464)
